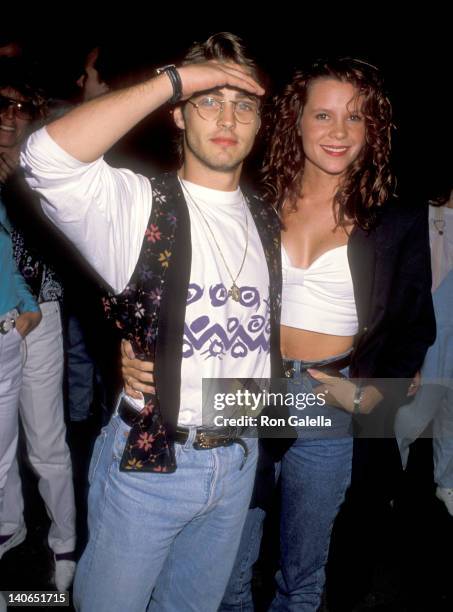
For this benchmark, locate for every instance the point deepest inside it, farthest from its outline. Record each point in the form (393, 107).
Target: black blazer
(391, 273)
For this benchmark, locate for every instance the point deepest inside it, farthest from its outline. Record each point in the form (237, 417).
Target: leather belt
(332, 368)
(205, 439)
(128, 414)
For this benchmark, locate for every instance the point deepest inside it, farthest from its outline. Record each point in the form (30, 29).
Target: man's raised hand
(213, 74)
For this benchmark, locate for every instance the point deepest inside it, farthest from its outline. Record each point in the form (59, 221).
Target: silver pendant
(439, 224)
(234, 292)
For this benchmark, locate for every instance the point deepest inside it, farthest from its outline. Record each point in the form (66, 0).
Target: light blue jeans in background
(434, 400)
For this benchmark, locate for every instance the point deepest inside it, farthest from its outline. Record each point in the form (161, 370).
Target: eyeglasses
(23, 110)
(210, 108)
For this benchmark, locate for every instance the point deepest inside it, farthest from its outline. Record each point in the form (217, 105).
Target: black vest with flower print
(150, 312)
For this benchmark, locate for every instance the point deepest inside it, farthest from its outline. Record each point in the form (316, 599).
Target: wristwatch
(175, 80)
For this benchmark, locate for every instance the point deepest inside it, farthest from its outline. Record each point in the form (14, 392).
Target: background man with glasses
(185, 256)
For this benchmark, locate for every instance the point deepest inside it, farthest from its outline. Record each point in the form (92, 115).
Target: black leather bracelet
(175, 80)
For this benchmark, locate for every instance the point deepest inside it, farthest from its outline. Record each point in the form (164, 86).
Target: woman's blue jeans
(315, 473)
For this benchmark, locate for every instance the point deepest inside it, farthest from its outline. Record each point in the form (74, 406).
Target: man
(90, 82)
(89, 362)
(185, 254)
(41, 391)
(82, 369)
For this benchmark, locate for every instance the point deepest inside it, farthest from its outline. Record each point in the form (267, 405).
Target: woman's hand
(138, 377)
(340, 392)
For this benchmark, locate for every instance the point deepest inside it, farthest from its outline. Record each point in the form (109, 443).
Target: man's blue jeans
(162, 542)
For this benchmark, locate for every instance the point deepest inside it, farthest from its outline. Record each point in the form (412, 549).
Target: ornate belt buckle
(289, 372)
(202, 441)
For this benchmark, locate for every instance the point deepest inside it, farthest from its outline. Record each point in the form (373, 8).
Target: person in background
(82, 372)
(434, 399)
(41, 407)
(20, 313)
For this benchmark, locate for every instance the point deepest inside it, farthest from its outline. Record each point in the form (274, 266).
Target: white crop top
(320, 298)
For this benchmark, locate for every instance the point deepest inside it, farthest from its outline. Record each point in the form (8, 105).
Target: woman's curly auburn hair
(368, 182)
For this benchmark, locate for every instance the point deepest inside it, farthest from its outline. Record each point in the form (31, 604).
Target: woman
(355, 302)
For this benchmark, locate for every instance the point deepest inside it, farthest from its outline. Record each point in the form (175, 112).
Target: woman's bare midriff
(312, 346)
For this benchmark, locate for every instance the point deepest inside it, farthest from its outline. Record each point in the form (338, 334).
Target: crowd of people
(316, 278)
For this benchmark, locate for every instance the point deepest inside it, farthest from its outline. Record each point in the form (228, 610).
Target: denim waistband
(302, 364)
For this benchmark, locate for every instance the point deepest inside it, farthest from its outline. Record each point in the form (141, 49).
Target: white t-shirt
(104, 211)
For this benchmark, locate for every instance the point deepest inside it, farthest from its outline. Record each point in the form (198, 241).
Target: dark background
(413, 51)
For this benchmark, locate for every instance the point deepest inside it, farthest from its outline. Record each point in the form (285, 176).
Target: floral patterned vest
(150, 312)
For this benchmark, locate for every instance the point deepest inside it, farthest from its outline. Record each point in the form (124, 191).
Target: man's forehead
(233, 93)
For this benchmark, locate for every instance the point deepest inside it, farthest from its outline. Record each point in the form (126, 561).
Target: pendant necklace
(439, 221)
(234, 292)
